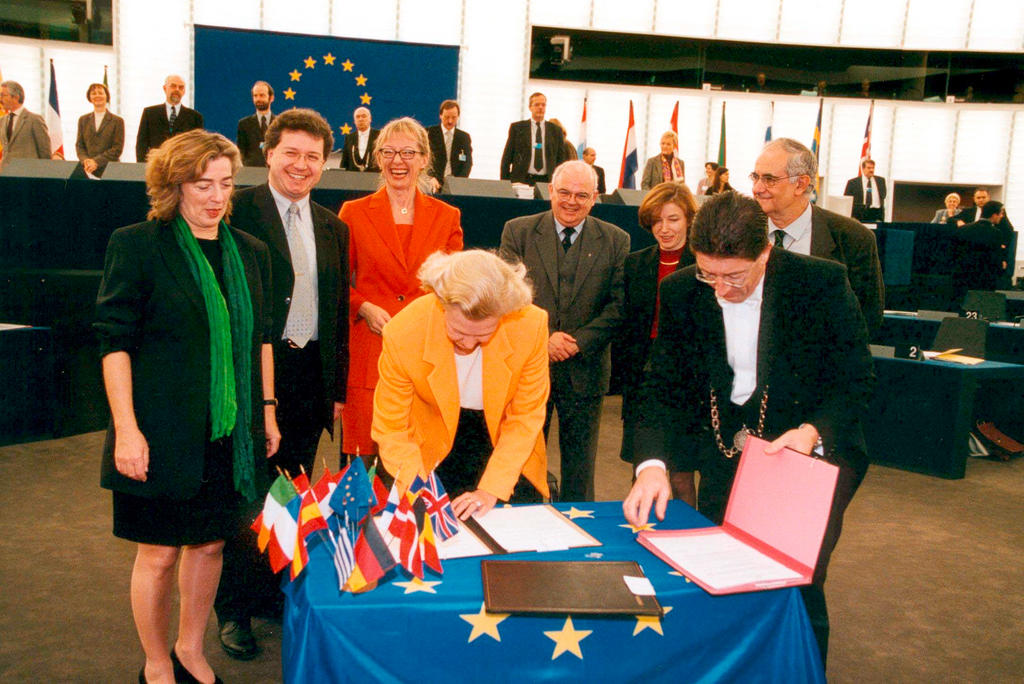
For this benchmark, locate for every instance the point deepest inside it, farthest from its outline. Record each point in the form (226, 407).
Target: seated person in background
(709, 177)
(667, 212)
(100, 132)
(720, 182)
(464, 384)
(979, 253)
(665, 166)
(952, 210)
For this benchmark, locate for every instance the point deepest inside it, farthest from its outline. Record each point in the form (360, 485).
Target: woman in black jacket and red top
(666, 211)
(184, 325)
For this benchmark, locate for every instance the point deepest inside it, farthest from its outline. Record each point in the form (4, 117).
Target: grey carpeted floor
(926, 584)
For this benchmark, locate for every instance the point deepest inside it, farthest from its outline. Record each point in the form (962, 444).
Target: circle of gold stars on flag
(329, 60)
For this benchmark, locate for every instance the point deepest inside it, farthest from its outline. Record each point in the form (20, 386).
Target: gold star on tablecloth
(360, 80)
(289, 94)
(574, 513)
(652, 622)
(484, 623)
(568, 639)
(329, 59)
(295, 74)
(347, 65)
(345, 129)
(365, 98)
(416, 584)
(639, 528)
(310, 62)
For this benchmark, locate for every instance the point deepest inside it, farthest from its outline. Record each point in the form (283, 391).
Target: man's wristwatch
(271, 402)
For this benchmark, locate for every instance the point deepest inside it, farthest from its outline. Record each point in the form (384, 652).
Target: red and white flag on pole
(53, 124)
(865, 148)
(674, 122)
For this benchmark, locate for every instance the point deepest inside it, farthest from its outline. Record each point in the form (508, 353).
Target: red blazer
(383, 271)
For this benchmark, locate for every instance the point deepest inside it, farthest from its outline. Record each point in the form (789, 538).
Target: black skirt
(462, 468)
(208, 516)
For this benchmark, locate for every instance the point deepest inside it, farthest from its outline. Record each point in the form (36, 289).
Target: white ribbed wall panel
(634, 16)
(315, 17)
(694, 19)
(566, 13)
(922, 147)
(873, 23)
(810, 22)
(997, 25)
(437, 21)
(982, 144)
(361, 19)
(244, 14)
(754, 20)
(937, 24)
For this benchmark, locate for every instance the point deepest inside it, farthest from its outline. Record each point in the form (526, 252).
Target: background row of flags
(630, 161)
(339, 509)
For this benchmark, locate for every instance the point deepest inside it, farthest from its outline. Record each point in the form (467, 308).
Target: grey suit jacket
(29, 139)
(845, 240)
(593, 312)
(104, 145)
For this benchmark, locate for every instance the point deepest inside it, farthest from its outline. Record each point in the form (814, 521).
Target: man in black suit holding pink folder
(752, 339)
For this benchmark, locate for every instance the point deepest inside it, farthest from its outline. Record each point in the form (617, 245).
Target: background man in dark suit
(252, 128)
(23, 134)
(981, 198)
(590, 156)
(783, 179)
(451, 150)
(979, 253)
(160, 122)
(534, 148)
(575, 262)
(868, 193)
(357, 153)
(309, 266)
(756, 337)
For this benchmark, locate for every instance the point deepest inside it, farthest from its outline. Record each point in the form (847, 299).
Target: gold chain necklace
(740, 438)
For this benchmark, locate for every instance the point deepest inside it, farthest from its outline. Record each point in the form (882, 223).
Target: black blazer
(250, 140)
(462, 153)
(255, 212)
(350, 158)
(515, 160)
(150, 306)
(855, 189)
(812, 355)
(979, 252)
(839, 238)
(601, 189)
(154, 128)
(103, 145)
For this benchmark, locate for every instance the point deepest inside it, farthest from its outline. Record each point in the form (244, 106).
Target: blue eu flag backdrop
(329, 74)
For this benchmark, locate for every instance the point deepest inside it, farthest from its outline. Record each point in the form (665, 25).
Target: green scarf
(231, 325)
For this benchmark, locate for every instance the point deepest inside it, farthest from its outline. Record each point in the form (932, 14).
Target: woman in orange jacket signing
(464, 384)
(391, 232)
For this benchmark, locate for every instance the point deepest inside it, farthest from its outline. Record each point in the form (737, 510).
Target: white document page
(722, 561)
(533, 528)
(462, 545)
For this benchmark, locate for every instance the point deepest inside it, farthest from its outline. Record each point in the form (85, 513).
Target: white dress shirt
(364, 140)
(470, 371)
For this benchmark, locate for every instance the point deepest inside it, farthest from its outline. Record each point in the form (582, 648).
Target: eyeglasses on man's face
(731, 279)
(768, 179)
(406, 153)
(566, 195)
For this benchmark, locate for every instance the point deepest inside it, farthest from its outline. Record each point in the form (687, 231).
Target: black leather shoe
(237, 640)
(181, 673)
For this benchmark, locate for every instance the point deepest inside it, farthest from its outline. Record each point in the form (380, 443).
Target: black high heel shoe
(142, 675)
(182, 675)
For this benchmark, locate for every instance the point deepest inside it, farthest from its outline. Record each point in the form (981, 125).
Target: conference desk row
(437, 630)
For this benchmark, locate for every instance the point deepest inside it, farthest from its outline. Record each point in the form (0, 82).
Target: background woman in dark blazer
(100, 132)
(184, 330)
(666, 211)
(720, 182)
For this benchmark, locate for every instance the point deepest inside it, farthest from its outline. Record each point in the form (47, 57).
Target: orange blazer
(383, 271)
(416, 405)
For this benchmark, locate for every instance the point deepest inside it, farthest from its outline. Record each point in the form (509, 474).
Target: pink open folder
(774, 524)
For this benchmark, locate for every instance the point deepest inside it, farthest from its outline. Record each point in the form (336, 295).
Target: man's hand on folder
(802, 440)
(651, 487)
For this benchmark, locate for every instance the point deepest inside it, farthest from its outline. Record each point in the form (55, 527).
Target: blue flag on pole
(332, 75)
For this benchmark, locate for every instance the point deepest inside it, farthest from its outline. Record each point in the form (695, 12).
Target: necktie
(10, 126)
(867, 193)
(780, 238)
(263, 126)
(447, 153)
(299, 326)
(567, 238)
(538, 150)
(172, 118)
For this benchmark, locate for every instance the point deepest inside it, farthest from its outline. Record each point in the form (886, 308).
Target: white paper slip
(533, 528)
(640, 586)
(463, 544)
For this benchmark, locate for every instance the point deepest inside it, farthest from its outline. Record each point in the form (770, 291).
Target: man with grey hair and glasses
(783, 178)
(23, 134)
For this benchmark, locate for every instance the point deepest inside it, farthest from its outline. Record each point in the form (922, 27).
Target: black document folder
(564, 587)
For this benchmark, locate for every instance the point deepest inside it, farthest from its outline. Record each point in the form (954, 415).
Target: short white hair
(479, 282)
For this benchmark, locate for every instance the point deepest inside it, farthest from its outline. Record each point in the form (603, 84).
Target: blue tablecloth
(389, 635)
